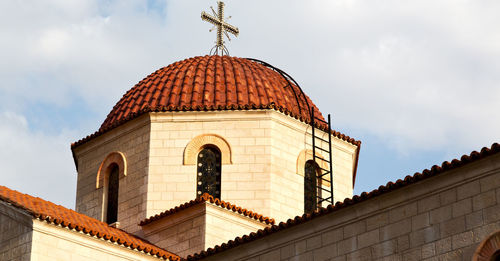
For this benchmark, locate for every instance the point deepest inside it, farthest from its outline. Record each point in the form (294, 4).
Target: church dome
(209, 83)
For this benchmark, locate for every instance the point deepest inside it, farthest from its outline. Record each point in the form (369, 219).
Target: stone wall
(181, 233)
(222, 225)
(53, 243)
(15, 234)
(198, 227)
(439, 218)
(262, 176)
(289, 138)
(131, 139)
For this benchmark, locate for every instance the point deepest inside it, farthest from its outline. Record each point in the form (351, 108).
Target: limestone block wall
(131, 139)
(440, 218)
(222, 225)
(199, 227)
(15, 234)
(53, 243)
(245, 182)
(181, 233)
(289, 138)
(262, 175)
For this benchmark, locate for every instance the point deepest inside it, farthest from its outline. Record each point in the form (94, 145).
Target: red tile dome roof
(211, 83)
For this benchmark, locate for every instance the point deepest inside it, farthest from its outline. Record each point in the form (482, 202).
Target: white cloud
(53, 50)
(35, 163)
(421, 75)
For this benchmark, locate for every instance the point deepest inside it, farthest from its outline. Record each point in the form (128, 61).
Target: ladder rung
(320, 120)
(321, 159)
(327, 151)
(324, 199)
(325, 180)
(324, 189)
(321, 139)
(328, 172)
(321, 176)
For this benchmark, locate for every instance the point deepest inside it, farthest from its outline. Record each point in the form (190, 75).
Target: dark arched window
(112, 204)
(310, 186)
(495, 256)
(209, 172)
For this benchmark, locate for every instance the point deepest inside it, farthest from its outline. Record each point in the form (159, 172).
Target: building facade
(212, 158)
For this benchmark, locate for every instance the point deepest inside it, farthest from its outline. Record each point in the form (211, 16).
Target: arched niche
(198, 143)
(306, 155)
(115, 157)
(488, 249)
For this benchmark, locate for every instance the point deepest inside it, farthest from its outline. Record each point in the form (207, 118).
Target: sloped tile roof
(59, 215)
(208, 198)
(212, 83)
(389, 187)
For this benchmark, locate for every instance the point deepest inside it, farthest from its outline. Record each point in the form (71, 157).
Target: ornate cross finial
(222, 27)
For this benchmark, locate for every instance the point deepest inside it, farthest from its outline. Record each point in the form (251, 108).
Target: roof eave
(105, 129)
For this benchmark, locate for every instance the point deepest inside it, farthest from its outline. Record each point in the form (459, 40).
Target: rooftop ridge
(389, 187)
(210, 199)
(58, 215)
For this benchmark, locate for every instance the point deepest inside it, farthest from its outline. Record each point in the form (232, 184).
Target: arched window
(209, 172)
(495, 256)
(112, 195)
(310, 186)
(488, 249)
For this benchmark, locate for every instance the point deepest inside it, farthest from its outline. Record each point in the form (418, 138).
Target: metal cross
(217, 19)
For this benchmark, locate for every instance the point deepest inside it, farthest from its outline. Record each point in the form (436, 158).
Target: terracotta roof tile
(389, 187)
(127, 116)
(208, 198)
(210, 83)
(59, 215)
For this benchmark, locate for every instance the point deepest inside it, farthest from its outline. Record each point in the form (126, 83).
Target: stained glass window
(209, 172)
(310, 186)
(112, 204)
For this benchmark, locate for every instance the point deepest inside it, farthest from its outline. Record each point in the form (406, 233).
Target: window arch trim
(488, 248)
(115, 157)
(199, 142)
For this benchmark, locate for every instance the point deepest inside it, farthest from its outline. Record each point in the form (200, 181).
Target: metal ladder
(321, 175)
(324, 194)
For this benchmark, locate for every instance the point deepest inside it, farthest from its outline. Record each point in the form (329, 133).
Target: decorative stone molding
(115, 157)
(198, 143)
(306, 155)
(489, 249)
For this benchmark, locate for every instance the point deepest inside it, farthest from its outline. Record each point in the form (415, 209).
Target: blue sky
(416, 81)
